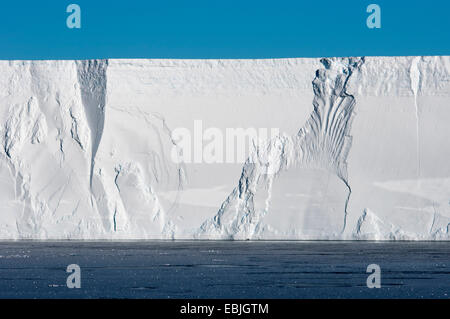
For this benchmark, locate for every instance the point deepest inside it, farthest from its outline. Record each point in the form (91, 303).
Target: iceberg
(272, 149)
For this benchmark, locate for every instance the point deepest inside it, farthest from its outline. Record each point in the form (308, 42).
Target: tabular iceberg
(180, 149)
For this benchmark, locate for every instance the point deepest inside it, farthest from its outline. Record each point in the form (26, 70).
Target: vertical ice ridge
(74, 131)
(415, 80)
(92, 80)
(326, 135)
(323, 142)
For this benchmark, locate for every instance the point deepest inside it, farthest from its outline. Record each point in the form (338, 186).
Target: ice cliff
(147, 149)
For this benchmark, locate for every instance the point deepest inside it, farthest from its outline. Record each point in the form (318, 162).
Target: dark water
(224, 269)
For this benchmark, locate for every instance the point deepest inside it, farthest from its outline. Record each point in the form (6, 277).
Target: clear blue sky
(222, 29)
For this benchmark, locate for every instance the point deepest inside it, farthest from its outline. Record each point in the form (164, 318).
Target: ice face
(361, 150)
(314, 156)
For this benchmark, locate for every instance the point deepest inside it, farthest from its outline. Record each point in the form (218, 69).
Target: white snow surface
(363, 150)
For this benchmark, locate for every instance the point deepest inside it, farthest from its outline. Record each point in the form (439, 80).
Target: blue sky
(222, 29)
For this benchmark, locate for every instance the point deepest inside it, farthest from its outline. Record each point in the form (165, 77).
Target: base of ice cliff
(294, 149)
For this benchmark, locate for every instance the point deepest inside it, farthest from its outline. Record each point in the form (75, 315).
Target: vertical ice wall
(86, 149)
